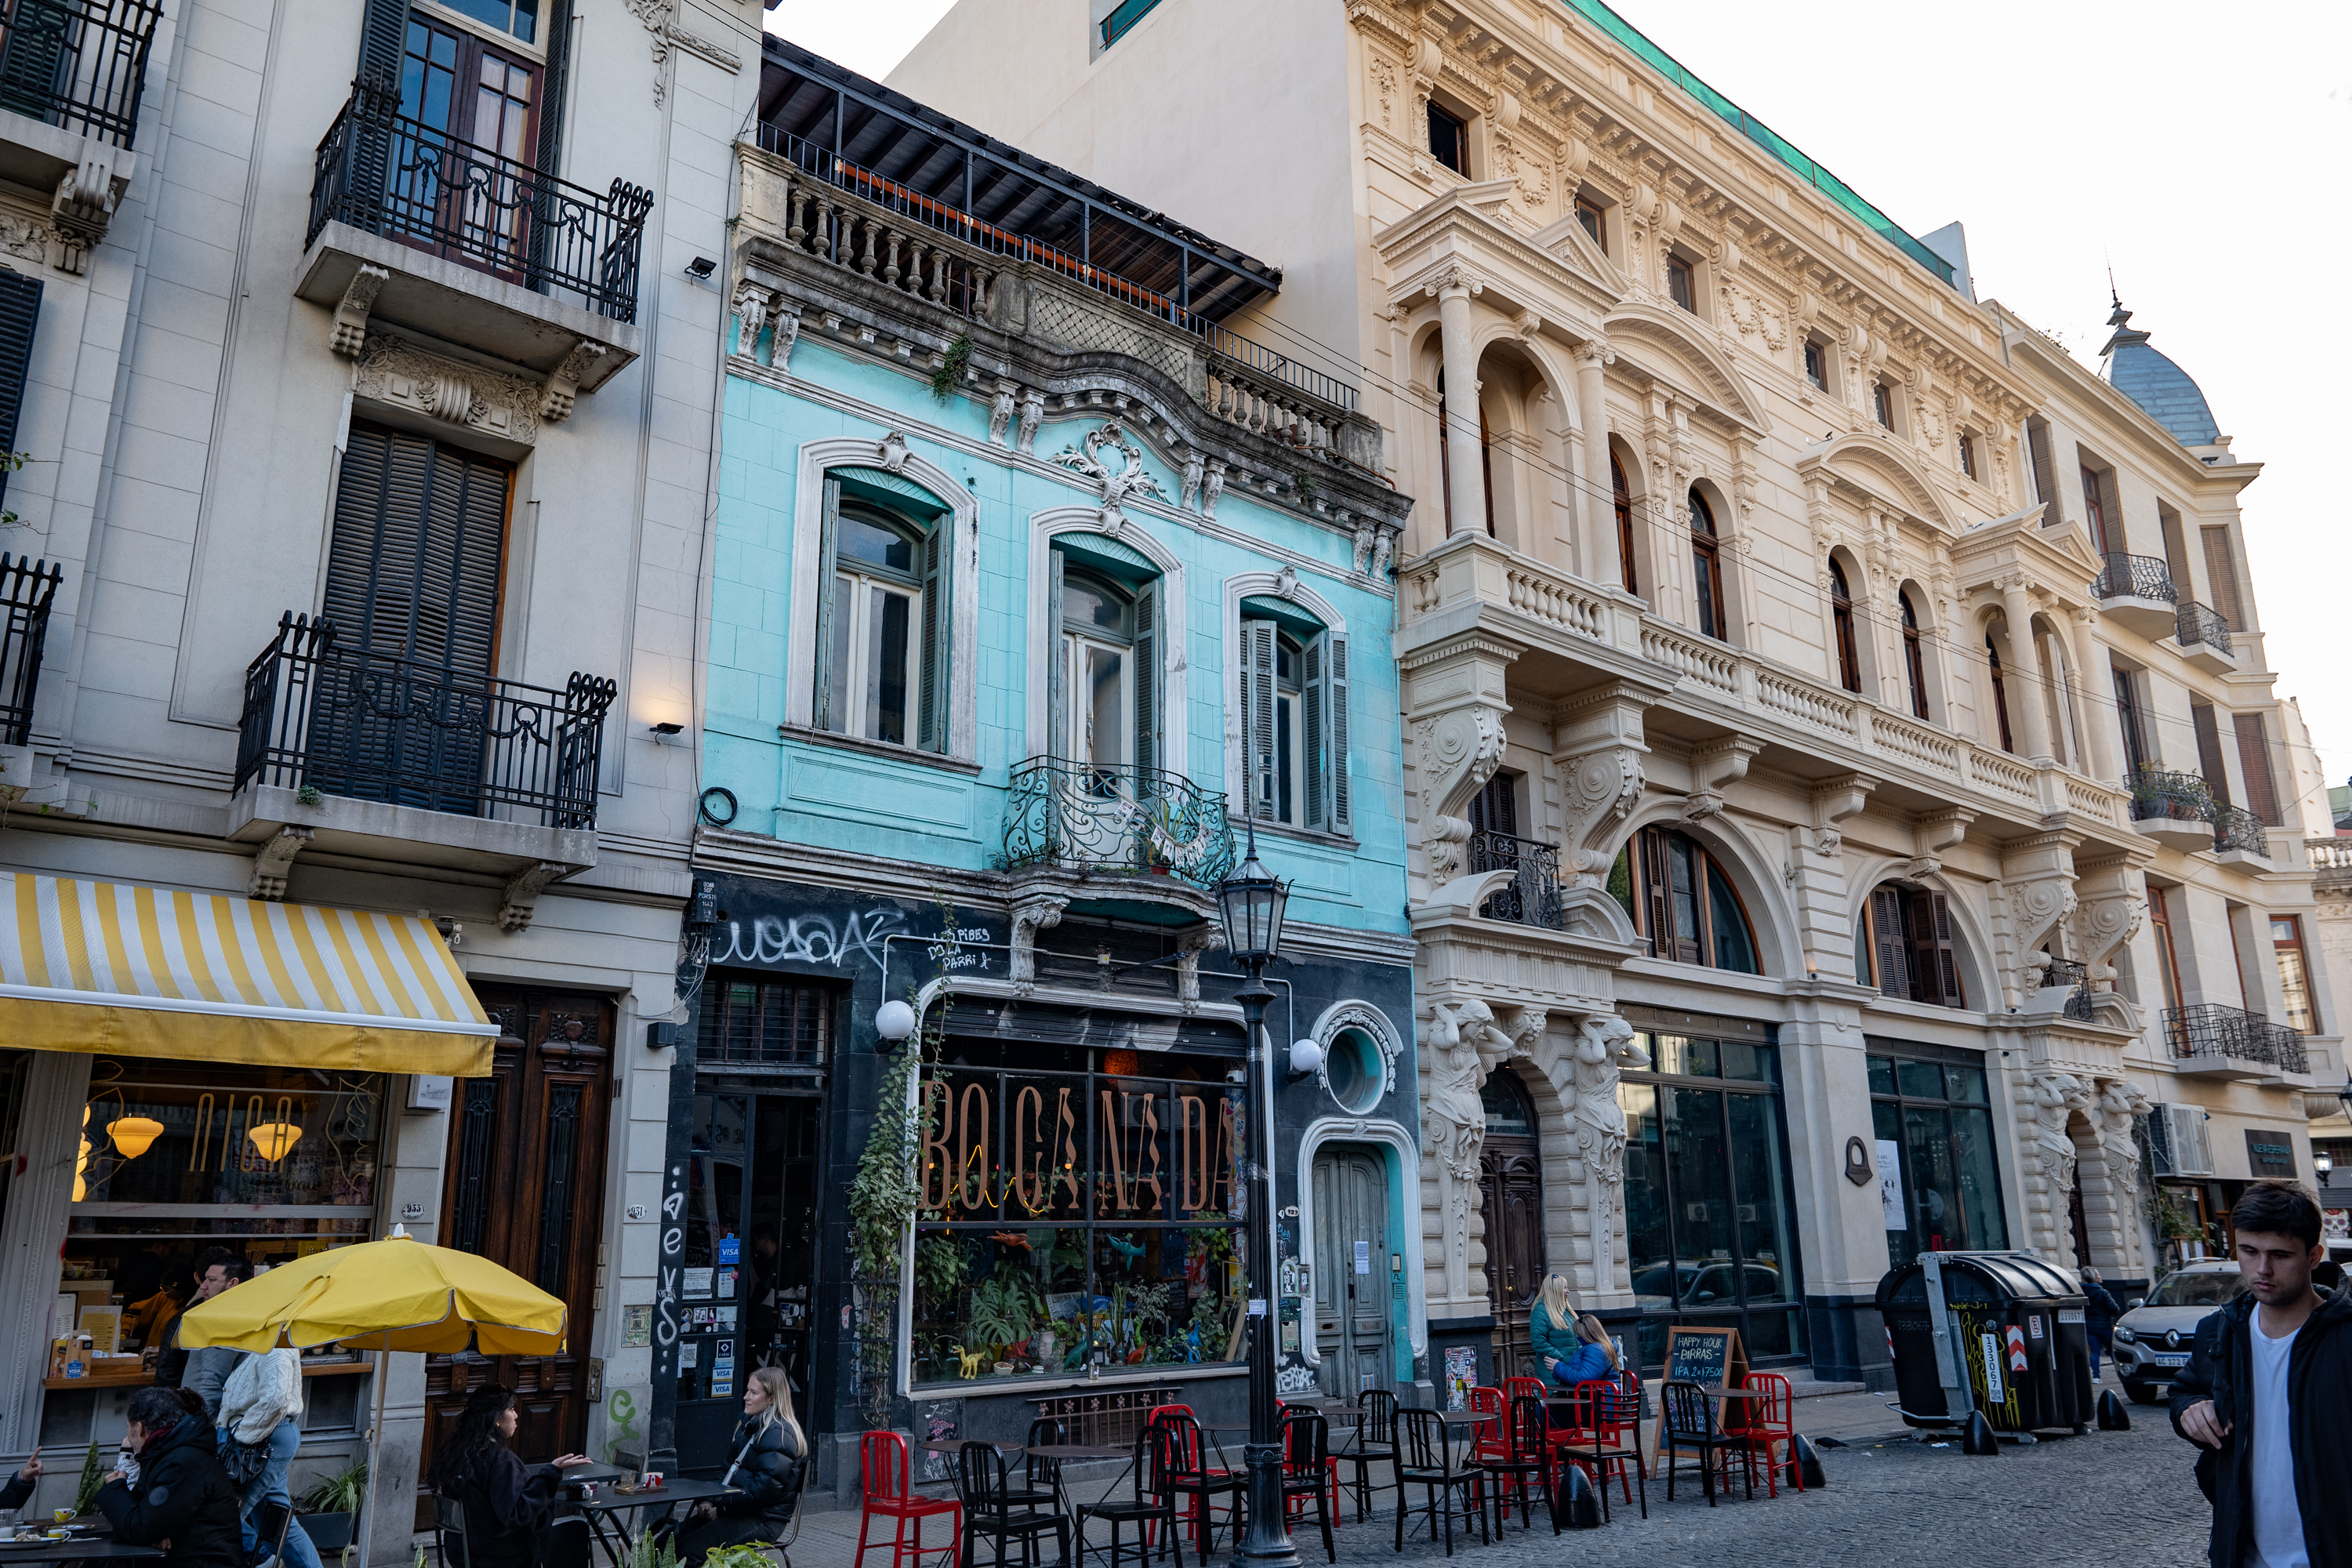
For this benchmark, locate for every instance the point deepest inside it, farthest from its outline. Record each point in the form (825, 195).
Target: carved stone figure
(1033, 414)
(2055, 1098)
(752, 313)
(1603, 1048)
(1383, 548)
(1189, 495)
(1000, 412)
(1211, 487)
(2119, 1106)
(1363, 546)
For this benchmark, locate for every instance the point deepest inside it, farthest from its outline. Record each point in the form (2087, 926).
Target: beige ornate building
(1839, 744)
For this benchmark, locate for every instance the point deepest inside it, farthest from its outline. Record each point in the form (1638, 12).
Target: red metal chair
(1767, 1424)
(1489, 1442)
(1526, 1388)
(885, 1480)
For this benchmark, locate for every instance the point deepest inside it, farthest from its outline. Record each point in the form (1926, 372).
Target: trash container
(2002, 1330)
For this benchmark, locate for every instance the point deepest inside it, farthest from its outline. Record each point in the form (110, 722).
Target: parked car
(2154, 1338)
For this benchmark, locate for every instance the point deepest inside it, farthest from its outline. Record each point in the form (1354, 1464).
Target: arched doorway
(1510, 1178)
(1352, 1270)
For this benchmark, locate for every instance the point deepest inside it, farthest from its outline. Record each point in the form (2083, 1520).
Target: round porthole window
(1354, 1071)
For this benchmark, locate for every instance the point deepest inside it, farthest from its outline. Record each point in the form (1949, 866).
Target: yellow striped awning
(149, 972)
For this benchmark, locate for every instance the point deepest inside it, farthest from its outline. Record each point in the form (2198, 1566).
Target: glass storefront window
(1936, 1116)
(1070, 1218)
(1710, 1237)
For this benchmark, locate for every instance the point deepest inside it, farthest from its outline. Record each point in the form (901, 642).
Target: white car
(2153, 1341)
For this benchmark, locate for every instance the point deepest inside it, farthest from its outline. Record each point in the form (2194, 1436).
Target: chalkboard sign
(1708, 1357)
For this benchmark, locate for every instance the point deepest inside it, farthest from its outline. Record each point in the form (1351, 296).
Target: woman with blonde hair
(771, 1459)
(1572, 1346)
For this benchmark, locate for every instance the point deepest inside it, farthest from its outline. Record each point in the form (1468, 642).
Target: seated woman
(770, 1456)
(507, 1502)
(182, 1498)
(1572, 1346)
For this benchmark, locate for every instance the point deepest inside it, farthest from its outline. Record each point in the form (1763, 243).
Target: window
(1449, 139)
(1968, 454)
(1817, 369)
(881, 616)
(749, 1017)
(1904, 945)
(20, 309)
(1097, 717)
(518, 17)
(1681, 902)
(1682, 284)
(1621, 498)
(2045, 467)
(1706, 568)
(1588, 216)
(1849, 656)
(2295, 984)
(1294, 721)
(2134, 727)
(2159, 922)
(2221, 572)
(1999, 694)
(2209, 753)
(2254, 767)
(1932, 1116)
(1914, 663)
(1882, 404)
(2094, 505)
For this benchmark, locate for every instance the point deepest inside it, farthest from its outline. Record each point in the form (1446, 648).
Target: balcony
(1130, 835)
(2237, 831)
(2204, 637)
(2229, 1042)
(2074, 979)
(2331, 867)
(410, 226)
(2174, 809)
(28, 588)
(2136, 591)
(71, 75)
(357, 752)
(1532, 896)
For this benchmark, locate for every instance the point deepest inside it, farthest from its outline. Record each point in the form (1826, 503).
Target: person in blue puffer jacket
(1572, 1346)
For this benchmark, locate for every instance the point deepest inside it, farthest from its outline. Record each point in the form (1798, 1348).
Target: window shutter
(1650, 862)
(1313, 700)
(1340, 816)
(2254, 762)
(1148, 697)
(939, 568)
(1257, 716)
(1886, 941)
(1058, 674)
(2045, 469)
(1947, 961)
(1919, 940)
(20, 309)
(821, 660)
(2221, 572)
(2209, 753)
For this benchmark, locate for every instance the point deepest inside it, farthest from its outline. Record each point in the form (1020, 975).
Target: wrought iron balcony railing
(1140, 821)
(346, 721)
(79, 65)
(27, 590)
(2209, 1031)
(2134, 577)
(2077, 977)
(401, 178)
(2235, 827)
(1533, 897)
(2196, 624)
(2180, 797)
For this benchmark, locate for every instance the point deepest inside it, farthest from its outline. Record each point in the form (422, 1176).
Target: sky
(2204, 160)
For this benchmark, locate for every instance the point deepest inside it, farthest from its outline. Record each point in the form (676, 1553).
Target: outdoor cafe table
(87, 1548)
(613, 1536)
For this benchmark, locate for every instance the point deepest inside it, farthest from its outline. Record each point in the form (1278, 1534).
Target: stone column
(1597, 554)
(2021, 665)
(1466, 494)
(2098, 730)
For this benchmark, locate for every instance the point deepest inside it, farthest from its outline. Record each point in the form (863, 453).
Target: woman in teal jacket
(1572, 1346)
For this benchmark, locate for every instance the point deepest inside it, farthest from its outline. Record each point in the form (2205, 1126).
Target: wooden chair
(1688, 1423)
(1765, 1425)
(1307, 1472)
(1374, 1443)
(1426, 1460)
(1192, 1478)
(1609, 1438)
(1150, 1508)
(992, 1508)
(1525, 1457)
(886, 1484)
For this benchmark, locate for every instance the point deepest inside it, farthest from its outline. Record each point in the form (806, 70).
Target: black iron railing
(80, 65)
(27, 590)
(2134, 577)
(2235, 827)
(1532, 897)
(346, 721)
(2194, 624)
(406, 180)
(2077, 977)
(2207, 1031)
(2159, 795)
(1140, 821)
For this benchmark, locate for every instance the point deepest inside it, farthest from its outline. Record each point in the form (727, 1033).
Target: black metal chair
(566, 1542)
(1306, 1467)
(1039, 1473)
(1374, 1443)
(1689, 1424)
(1152, 1505)
(1522, 1462)
(985, 1482)
(448, 1530)
(1425, 1459)
(1612, 1439)
(1192, 1478)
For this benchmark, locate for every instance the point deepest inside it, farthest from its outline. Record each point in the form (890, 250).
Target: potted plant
(93, 1478)
(329, 1510)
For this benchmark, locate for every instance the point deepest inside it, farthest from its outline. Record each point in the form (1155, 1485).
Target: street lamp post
(1250, 901)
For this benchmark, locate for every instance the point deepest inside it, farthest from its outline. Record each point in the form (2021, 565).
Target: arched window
(1680, 899)
(1999, 694)
(1102, 671)
(1622, 496)
(1706, 565)
(881, 632)
(1904, 944)
(1914, 664)
(1849, 657)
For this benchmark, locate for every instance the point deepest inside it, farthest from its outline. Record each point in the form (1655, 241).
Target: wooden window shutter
(1495, 808)
(821, 659)
(2209, 753)
(413, 569)
(2045, 469)
(1339, 807)
(1886, 942)
(1919, 937)
(1257, 717)
(1650, 870)
(1057, 664)
(1686, 877)
(1148, 718)
(1948, 958)
(2221, 572)
(939, 567)
(2254, 764)
(20, 310)
(1312, 701)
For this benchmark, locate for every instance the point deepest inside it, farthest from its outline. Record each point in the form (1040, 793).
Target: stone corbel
(2107, 912)
(350, 333)
(1932, 833)
(1364, 537)
(1525, 1026)
(1195, 941)
(788, 333)
(1714, 765)
(1213, 485)
(561, 387)
(1030, 916)
(1457, 745)
(890, 452)
(1834, 801)
(79, 211)
(1033, 414)
(1383, 550)
(751, 305)
(1598, 747)
(2040, 874)
(1000, 412)
(520, 897)
(277, 859)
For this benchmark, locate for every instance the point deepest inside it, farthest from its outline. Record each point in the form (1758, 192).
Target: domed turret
(2169, 393)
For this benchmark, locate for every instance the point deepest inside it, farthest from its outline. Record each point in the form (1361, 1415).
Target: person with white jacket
(261, 1405)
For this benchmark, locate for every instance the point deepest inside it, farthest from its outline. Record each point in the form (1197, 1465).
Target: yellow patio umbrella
(397, 1294)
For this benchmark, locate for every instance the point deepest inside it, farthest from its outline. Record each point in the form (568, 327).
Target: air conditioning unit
(2177, 1137)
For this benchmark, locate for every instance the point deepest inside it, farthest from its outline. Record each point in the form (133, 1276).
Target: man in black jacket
(2264, 1394)
(183, 1496)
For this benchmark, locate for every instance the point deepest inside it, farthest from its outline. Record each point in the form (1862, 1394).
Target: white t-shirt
(2278, 1520)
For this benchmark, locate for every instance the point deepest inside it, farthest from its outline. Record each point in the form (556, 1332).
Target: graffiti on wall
(854, 938)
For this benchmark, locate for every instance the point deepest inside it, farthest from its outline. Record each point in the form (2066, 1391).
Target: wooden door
(1351, 1270)
(524, 1187)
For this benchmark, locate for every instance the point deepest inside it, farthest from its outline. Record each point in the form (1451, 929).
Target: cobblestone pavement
(2105, 1497)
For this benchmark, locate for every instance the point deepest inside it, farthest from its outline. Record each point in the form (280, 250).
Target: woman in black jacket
(183, 1495)
(507, 1502)
(770, 1457)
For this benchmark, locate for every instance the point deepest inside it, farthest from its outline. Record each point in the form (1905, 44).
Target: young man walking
(2264, 1394)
